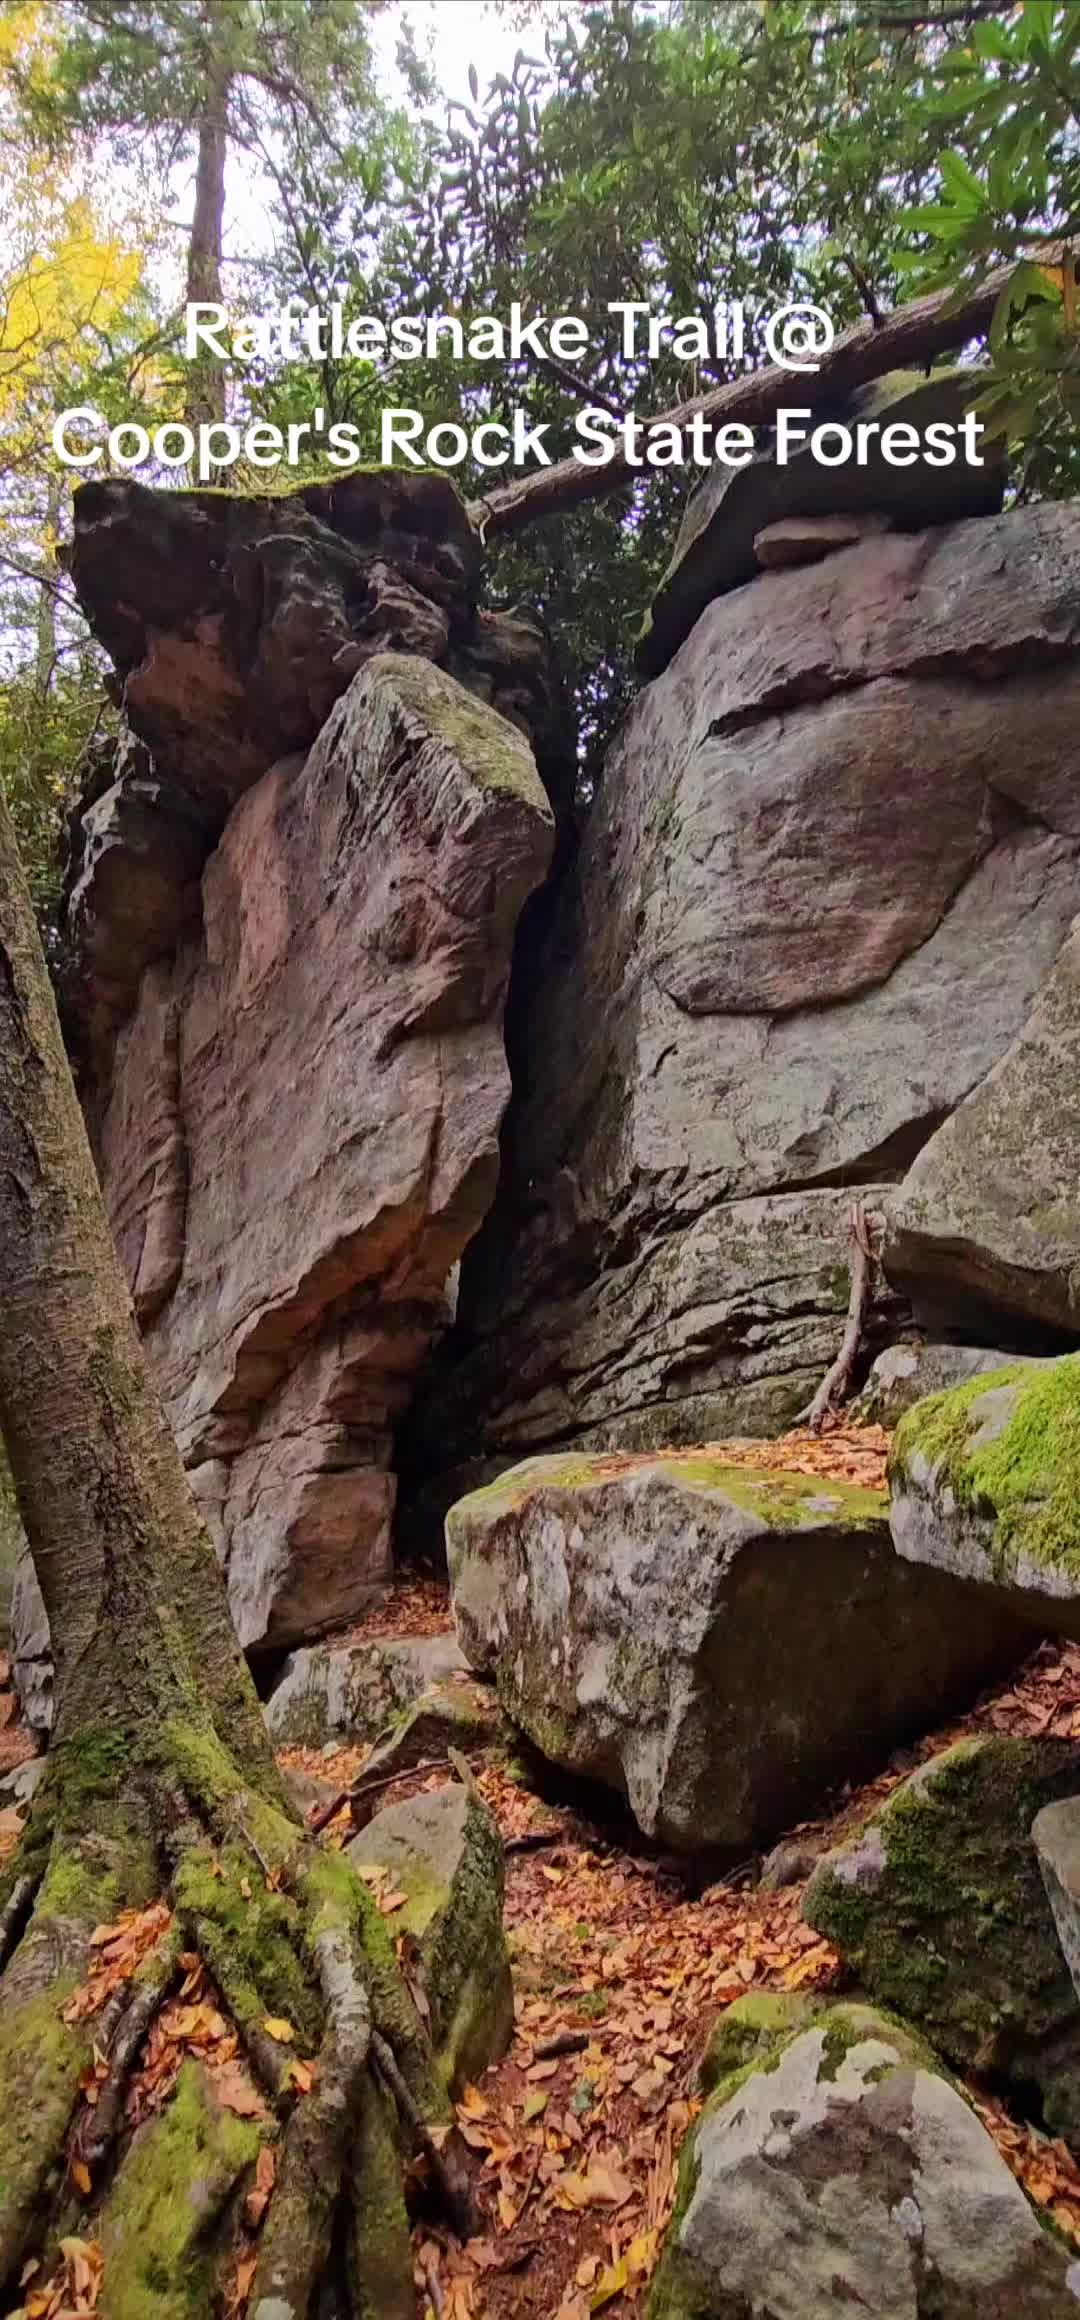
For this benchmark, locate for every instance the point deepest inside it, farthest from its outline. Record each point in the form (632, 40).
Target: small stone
(806, 539)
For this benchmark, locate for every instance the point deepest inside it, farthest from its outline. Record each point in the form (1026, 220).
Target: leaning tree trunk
(161, 1796)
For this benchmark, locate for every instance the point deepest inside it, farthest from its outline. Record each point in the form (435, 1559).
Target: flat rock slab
(985, 1483)
(987, 1221)
(845, 2173)
(1056, 1837)
(717, 1644)
(442, 1850)
(715, 550)
(906, 1373)
(938, 1909)
(357, 1688)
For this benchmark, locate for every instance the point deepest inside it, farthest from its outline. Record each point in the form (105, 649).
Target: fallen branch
(565, 2042)
(133, 2027)
(911, 336)
(837, 1378)
(453, 2193)
(14, 1910)
(361, 1788)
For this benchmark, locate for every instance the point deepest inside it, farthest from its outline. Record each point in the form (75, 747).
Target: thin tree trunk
(206, 390)
(45, 641)
(913, 335)
(131, 1583)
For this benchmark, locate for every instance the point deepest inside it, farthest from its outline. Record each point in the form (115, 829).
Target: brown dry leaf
(236, 2091)
(258, 2198)
(600, 2186)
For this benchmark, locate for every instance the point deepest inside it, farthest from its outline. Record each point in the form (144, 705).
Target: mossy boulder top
(938, 1907)
(838, 2169)
(715, 1641)
(715, 549)
(985, 1483)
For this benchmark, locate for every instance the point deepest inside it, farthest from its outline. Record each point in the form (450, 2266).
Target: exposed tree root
(304, 1965)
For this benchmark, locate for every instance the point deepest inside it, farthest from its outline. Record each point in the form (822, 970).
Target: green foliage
(1006, 105)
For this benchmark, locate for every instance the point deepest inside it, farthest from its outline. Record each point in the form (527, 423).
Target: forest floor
(621, 1965)
(624, 1967)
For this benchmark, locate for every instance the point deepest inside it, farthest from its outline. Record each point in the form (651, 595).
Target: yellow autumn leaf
(276, 2026)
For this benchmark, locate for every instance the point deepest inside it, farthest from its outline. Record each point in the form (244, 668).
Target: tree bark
(161, 1796)
(118, 1546)
(913, 335)
(206, 391)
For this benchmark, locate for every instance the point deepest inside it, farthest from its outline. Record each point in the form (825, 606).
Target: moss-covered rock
(716, 1641)
(939, 1908)
(985, 1483)
(843, 2171)
(165, 2216)
(442, 1850)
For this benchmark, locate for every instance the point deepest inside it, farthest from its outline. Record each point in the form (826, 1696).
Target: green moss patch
(947, 1923)
(783, 1500)
(1025, 1474)
(163, 2222)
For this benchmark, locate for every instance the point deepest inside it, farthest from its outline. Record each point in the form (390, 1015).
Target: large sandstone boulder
(938, 1908)
(720, 544)
(716, 1643)
(833, 857)
(985, 1484)
(301, 1132)
(442, 1851)
(841, 2171)
(987, 1221)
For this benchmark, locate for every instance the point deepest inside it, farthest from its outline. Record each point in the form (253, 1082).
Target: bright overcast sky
(460, 33)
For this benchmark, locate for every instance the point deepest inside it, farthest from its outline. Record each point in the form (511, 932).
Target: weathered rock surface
(987, 1221)
(909, 1371)
(1055, 1835)
(235, 623)
(842, 2171)
(443, 1851)
(359, 1687)
(985, 1484)
(843, 826)
(715, 1643)
(938, 1907)
(302, 1128)
(717, 547)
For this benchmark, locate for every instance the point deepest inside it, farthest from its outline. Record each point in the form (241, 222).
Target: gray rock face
(984, 1483)
(357, 1688)
(938, 1909)
(906, 1373)
(1055, 1835)
(716, 1644)
(842, 826)
(717, 548)
(846, 2173)
(988, 1218)
(442, 1850)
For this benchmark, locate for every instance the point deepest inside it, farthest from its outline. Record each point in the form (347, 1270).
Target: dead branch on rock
(834, 1385)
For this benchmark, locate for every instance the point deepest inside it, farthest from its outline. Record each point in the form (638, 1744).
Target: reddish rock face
(301, 1133)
